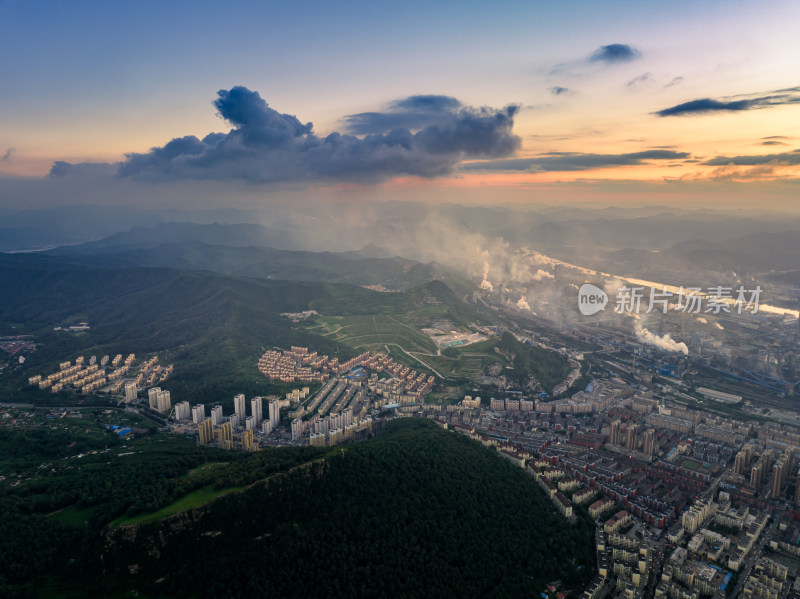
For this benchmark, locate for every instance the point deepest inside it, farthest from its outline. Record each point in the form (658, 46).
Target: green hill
(212, 326)
(548, 367)
(250, 250)
(345, 267)
(519, 364)
(416, 512)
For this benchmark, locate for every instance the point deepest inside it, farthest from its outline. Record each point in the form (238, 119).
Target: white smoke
(701, 319)
(541, 275)
(485, 284)
(540, 258)
(522, 304)
(664, 342)
(719, 326)
(613, 286)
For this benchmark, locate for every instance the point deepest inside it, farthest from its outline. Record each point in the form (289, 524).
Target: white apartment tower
(183, 411)
(274, 412)
(297, 429)
(130, 392)
(152, 397)
(239, 406)
(255, 408)
(163, 401)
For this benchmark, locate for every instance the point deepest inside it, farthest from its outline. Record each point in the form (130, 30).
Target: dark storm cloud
(735, 104)
(411, 113)
(783, 159)
(614, 53)
(425, 136)
(61, 168)
(573, 161)
(558, 90)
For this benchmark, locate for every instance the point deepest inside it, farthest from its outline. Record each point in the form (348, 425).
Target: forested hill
(253, 251)
(214, 325)
(417, 512)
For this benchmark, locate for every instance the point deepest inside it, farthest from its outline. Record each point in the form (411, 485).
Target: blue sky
(93, 81)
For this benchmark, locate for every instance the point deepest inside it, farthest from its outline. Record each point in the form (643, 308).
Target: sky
(691, 103)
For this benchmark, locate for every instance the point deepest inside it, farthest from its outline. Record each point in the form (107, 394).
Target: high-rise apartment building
(256, 410)
(152, 397)
(247, 440)
(130, 392)
(205, 431)
(183, 411)
(239, 406)
(615, 426)
(216, 415)
(274, 412)
(225, 432)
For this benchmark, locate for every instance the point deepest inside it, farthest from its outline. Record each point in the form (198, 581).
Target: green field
(467, 361)
(691, 464)
(399, 336)
(372, 332)
(195, 473)
(73, 516)
(189, 501)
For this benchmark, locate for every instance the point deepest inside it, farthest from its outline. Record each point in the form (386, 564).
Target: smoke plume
(664, 342)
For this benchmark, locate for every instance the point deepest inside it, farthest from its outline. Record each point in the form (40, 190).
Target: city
(420, 299)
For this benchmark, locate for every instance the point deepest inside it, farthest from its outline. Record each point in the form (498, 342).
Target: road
(428, 366)
(758, 549)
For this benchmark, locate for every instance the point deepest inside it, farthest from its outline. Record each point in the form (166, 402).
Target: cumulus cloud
(573, 161)
(414, 112)
(425, 136)
(735, 103)
(614, 53)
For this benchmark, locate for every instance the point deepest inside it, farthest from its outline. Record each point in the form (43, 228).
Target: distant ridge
(237, 235)
(249, 250)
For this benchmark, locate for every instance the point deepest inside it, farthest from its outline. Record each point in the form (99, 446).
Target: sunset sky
(674, 101)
